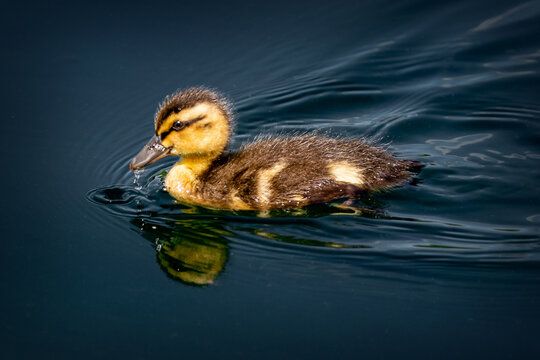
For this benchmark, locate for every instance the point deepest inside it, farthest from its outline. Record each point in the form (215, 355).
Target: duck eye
(178, 125)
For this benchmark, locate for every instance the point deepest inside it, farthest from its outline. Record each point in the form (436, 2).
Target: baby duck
(270, 173)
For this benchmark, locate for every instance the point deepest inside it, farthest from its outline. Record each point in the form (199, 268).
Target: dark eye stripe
(186, 124)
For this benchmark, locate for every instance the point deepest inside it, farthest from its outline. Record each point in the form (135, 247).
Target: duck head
(192, 122)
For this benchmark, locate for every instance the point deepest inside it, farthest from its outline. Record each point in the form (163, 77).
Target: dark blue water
(96, 265)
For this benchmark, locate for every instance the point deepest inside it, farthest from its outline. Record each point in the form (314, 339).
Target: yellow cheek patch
(167, 141)
(209, 135)
(265, 177)
(343, 171)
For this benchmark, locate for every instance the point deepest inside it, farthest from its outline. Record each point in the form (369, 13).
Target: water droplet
(137, 174)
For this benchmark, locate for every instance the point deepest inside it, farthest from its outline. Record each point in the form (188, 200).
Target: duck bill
(150, 153)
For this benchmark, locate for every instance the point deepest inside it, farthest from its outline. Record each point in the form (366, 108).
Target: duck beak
(151, 152)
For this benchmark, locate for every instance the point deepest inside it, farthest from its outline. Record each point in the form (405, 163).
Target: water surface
(96, 264)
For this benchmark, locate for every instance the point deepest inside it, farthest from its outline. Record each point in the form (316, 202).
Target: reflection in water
(192, 251)
(195, 251)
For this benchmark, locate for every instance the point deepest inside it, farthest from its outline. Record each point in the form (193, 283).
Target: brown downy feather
(298, 172)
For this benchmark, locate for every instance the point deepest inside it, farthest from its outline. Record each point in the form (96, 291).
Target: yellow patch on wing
(265, 177)
(237, 203)
(298, 198)
(344, 171)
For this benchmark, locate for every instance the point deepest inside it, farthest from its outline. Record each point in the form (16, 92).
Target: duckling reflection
(195, 251)
(192, 251)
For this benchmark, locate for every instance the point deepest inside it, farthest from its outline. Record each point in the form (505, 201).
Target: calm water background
(446, 268)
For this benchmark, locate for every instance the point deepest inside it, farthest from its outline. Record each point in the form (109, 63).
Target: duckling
(269, 173)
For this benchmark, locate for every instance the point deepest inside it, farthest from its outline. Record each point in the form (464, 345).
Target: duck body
(269, 173)
(279, 173)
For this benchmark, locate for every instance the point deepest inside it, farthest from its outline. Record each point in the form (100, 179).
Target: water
(98, 263)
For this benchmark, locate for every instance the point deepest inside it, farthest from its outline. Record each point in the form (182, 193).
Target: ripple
(447, 146)
(522, 11)
(120, 195)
